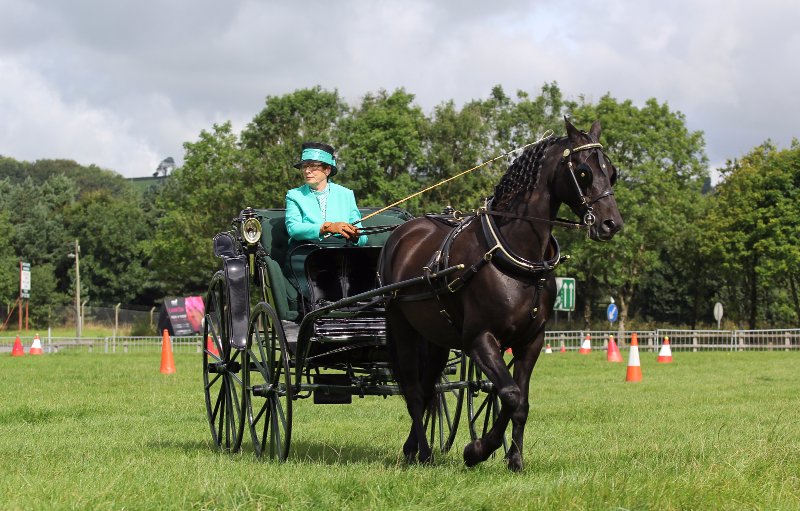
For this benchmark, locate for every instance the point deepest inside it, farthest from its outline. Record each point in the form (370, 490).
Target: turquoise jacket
(304, 218)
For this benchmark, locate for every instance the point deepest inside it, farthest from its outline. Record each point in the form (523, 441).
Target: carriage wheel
(222, 375)
(268, 384)
(442, 422)
(483, 404)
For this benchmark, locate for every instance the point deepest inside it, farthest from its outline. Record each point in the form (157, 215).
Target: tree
(198, 201)
(758, 233)
(381, 148)
(112, 231)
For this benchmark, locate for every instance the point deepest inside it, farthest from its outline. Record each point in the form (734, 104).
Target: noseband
(582, 175)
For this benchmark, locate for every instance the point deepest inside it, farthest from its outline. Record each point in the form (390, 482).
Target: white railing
(649, 340)
(112, 344)
(683, 340)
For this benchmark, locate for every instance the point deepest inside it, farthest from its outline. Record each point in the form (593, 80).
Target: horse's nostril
(609, 226)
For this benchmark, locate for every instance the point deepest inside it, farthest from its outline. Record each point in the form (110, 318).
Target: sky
(123, 84)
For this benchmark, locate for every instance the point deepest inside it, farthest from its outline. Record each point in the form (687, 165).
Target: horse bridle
(582, 178)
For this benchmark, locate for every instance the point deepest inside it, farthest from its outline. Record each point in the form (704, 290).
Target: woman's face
(316, 175)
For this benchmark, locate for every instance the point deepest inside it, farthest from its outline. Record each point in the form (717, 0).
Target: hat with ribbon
(317, 152)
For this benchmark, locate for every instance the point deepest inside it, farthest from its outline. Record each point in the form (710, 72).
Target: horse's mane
(522, 175)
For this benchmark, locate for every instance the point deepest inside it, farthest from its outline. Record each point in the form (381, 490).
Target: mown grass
(709, 431)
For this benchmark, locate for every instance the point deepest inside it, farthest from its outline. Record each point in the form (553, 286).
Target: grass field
(709, 431)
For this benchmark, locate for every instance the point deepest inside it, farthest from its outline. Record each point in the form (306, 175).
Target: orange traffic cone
(665, 354)
(547, 349)
(563, 348)
(17, 350)
(211, 347)
(586, 346)
(634, 367)
(167, 361)
(613, 351)
(36, 347)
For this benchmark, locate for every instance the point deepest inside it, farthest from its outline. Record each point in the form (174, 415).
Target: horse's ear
(572, 131)
(594, 131)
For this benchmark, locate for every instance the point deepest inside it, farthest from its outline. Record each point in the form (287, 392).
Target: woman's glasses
(312, 167)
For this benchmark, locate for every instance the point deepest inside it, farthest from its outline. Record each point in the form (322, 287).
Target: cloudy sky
(122, 84)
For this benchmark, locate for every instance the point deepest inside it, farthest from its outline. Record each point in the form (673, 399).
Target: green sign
(565, 298)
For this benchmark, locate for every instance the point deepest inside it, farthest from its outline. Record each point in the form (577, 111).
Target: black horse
(505, 295)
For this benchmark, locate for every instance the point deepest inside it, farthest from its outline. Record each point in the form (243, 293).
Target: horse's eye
(584, 176)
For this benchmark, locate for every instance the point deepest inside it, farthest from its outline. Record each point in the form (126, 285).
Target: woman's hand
(347, 230)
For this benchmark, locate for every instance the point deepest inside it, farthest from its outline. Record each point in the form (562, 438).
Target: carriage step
(329, 396)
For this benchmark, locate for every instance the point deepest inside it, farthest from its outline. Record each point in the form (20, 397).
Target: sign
(565, 294)
(24, 280)
(182, 315)
(718, 314)
(612, 313)
(718, 311)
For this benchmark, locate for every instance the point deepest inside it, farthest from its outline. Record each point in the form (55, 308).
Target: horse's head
(584, 181)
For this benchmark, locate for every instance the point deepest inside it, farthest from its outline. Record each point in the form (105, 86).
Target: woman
(320, 206)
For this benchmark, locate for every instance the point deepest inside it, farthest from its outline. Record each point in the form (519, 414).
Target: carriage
(398, 316)
(274, 335)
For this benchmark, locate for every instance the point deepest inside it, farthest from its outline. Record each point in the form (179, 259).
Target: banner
(182, 315)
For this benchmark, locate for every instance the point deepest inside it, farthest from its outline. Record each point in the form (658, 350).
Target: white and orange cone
(36, 346)
(665, 353)
(548, 349)
(563, 347)
(634, 367)
(586, 346)
(613, 351)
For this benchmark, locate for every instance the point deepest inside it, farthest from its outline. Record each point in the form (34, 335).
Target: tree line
(685, 244)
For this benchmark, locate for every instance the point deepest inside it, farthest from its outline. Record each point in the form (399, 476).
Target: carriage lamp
(251, 230)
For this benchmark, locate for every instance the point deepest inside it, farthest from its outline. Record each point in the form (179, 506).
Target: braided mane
(522, 175)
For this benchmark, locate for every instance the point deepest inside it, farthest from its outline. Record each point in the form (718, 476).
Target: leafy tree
(381, 148)
(758, 233)
(112, 230)
(198, 201)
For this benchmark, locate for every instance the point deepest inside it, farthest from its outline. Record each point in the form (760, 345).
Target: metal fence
(650, 340)
(106, 344)
(683, 340)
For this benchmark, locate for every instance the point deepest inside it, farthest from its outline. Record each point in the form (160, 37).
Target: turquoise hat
(317, 152)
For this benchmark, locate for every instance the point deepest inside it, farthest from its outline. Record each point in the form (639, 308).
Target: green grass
(709, 431)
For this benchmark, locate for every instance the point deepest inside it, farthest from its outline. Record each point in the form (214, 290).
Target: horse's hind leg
(434, 359)
(404, 345)
(490, 360)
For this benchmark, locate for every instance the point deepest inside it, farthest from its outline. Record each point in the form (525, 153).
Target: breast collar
(502, 255)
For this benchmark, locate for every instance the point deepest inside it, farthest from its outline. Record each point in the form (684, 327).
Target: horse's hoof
(472, 454)
(410, 455)
(426, 459)
(514, 463)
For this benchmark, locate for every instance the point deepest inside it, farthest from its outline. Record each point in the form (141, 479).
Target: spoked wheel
(483, 404)
(442, 423)
(222, 374)
(268, 384)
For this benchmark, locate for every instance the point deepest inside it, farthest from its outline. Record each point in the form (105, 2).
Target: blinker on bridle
(582, 178)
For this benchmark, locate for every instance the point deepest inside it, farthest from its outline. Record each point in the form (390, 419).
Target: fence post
(125, 346)
(106, 350)
(694, 343)
(787, 341)
(91, 346)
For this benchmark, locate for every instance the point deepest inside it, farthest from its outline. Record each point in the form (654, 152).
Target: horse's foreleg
(524, 359)
(489, 359)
